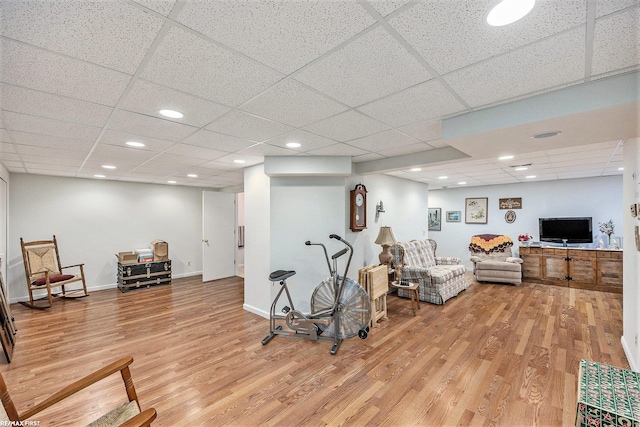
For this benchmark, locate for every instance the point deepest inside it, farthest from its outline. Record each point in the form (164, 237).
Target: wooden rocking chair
(127, 414)
(44, 272)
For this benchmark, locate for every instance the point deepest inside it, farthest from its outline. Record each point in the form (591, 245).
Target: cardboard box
(160, 250)
(127, 257)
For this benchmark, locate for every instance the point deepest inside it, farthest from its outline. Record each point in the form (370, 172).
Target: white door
(218, 235)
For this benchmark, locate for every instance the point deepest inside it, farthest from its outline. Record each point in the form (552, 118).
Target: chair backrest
(491, 246)
(40, 256)
(416, 253)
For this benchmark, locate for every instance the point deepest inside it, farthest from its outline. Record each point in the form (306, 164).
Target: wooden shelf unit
(595, 269)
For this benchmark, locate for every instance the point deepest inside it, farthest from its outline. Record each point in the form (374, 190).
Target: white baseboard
(627, 351)
(255, 310)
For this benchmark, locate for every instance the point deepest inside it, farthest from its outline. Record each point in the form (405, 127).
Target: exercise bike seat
(280, 275)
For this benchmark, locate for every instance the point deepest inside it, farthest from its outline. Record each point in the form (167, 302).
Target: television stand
(594, 269)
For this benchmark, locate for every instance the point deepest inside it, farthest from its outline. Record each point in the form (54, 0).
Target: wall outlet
(189, 264)
(636, 340)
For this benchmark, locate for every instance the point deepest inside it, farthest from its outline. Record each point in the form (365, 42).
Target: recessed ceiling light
(171, 182)
(134, 144)
(530, 176)
(192, 175)
(443, 177)
(239, 161)
(546, 134)
(108, 167)
(416, 169)
(507, 12)
(293, 144)
(173, 114)
(509, 157)
(99, 176)
(521, 168)
(462, 183)
(620, 169)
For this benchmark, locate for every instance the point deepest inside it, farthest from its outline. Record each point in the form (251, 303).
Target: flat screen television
(569, 230)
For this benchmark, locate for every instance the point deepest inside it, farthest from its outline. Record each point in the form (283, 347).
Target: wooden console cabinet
(595, 269)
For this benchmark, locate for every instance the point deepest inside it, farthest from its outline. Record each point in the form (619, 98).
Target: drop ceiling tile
(37, 140)
(45, 160)
(191, 64)
(104, 153)
(285, 38)
(161, 6)
(4, 135)
(607, 7)
(152, 170)
(424, 131)
(112, 137)
(308, 141)
(22, 100)
(148, 98)
(615, 42)
(7, 148)
(44, 170)
(367, 157)
(14, 166)
(230, 159)
(9, 157)
(385, 7)
(53, 153)
(266, 150)
(174, 160)
(291, 103)
(128, 122)
(217, 141)
(93, 167)
(413, 105)
(112, 34)
(248, 126)
(24, 65)
(370, 67)
(337, 150)
(194, 151)
(448, 44)
(552, 62)
(384, 141)
(347, 126)
(406, 149)
(44, 126)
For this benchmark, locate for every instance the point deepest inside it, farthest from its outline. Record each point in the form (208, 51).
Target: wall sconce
(379, 209)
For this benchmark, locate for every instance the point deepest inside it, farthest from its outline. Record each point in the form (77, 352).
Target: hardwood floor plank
(495, 355)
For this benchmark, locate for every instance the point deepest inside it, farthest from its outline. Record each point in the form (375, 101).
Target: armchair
(44, 272)
(438, 278)
(126, 415)
(493, 260)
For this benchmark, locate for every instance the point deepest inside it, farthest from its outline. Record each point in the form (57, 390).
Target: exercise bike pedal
(286, 309)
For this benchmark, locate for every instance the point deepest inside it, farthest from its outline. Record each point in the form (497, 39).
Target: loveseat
(438, 278)
(493, 260)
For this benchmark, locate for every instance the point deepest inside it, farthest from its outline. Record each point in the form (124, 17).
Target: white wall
(599, 198)
(257, 220)
(95, 219)
(631, 295)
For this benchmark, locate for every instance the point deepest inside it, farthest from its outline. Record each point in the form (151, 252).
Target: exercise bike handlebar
(326, 255)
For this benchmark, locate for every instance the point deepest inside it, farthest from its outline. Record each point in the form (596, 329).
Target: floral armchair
(493, 261)
(438, 278)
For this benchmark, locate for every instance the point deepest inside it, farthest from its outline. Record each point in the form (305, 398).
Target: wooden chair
(44, 272)
(128, 414)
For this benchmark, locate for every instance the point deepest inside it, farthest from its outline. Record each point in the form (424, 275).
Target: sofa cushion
(497, 265)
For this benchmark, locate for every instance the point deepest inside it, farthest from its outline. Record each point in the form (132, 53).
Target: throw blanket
(488, 243)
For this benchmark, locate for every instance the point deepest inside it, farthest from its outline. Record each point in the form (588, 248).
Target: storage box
(127, 257)
(160, 250)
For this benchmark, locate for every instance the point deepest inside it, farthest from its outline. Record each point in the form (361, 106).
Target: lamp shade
(385, 237)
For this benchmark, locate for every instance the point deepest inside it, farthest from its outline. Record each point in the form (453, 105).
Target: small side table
(413, 292)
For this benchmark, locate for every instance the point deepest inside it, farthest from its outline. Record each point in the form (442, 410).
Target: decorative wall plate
(510, 217)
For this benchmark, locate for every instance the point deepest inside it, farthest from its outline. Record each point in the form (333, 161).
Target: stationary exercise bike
(340, 307)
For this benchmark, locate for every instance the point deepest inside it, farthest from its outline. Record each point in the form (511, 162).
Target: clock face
(359, 199)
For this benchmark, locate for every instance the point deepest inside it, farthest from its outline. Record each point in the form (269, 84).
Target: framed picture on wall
(435, 219)
(475, 210)
(453, 216)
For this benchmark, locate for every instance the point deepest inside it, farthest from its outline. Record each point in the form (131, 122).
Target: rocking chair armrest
(143, 419)
(77, 386)
(74, 265)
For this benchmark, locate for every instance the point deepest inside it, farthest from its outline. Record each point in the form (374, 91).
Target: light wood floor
(494, 355)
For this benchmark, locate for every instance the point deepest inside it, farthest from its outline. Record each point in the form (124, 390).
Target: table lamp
(385, 239)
